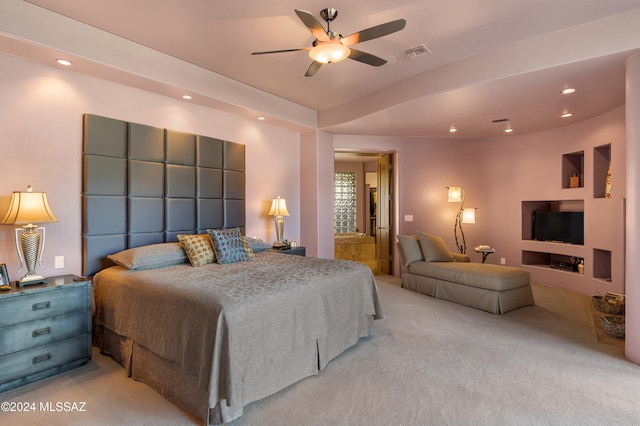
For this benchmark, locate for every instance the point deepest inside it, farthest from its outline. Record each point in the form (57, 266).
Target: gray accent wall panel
(181, 148)
(104, 136)
(146, 179)
(108, 175)
(181, 181)
(145, 185)
(181, 215)
(233, 185)
(210, 152)
(96, 248)
(146, 143)
(233, 213)
(210, 214)
(146, 214)
(104, 215)
(137, 240)
(233, 156)
(210, 183)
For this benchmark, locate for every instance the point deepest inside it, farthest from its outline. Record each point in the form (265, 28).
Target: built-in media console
(558, 245)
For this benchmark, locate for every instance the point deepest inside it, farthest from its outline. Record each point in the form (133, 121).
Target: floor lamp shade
(279, 210)
(27, 209)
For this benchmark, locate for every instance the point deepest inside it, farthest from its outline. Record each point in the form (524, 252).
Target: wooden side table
(486, 251)
(44, 330)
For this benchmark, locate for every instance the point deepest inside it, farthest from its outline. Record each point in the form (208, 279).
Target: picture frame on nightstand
(4, 275)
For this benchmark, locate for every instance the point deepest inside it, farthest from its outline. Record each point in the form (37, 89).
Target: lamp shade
(454, 194)
(29, 207)
(278, 207)
(469, 215)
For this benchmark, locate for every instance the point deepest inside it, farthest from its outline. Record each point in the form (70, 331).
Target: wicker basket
(613, 325)
(606, 307)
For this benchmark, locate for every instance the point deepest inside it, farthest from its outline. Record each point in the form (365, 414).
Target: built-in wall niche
(554, 261)
(573, 170)
(529, 207)
(601, 163)
(602, 264)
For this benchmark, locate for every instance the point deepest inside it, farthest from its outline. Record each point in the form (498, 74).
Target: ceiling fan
(330, 47)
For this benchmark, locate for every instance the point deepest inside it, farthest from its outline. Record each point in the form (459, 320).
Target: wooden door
(384, 214)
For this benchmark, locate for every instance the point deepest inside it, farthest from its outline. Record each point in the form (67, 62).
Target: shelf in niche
(573, 165)
(602, 264)
(553, 261)
(601, 162)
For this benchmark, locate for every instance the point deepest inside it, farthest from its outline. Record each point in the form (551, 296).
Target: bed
(356, 246)
(209, 333)
(214, 338)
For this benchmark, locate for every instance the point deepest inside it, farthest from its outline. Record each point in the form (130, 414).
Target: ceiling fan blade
(374, 32)
(315, 66)
(366, 58)
(281, 51)
(313, 24)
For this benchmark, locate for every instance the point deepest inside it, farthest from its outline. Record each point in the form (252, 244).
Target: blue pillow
(230, 246)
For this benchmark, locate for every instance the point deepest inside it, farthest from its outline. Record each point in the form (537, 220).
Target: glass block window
(345, 202)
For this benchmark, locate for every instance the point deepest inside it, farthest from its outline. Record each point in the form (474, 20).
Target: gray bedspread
(244, 330)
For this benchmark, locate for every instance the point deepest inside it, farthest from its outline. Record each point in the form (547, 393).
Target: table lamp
(279, 210)
(28, 208)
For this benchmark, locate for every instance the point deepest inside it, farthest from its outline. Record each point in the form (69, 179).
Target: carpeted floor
(430, 362)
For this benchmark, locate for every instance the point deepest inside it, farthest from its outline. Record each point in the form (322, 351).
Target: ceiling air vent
(416, 51)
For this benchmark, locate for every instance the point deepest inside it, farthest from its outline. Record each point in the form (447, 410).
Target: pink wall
(632, 331)
(499, 174)
(41, 143)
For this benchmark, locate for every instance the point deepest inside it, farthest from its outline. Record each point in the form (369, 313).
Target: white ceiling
(490, 59)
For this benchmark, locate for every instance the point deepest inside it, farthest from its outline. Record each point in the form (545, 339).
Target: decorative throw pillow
(410, 249)
(198, 248)
(150, 256)
(230, 246)
(434, 248)
(256, 244)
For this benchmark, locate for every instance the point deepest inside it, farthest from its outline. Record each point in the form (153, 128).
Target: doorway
(371, 206)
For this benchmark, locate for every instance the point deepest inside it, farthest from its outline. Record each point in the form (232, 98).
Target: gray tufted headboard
(144, 185)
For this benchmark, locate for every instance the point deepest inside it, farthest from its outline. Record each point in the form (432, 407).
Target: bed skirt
(183, 389)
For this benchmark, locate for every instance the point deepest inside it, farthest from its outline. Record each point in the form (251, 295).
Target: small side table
(296, 251)
(485, 252)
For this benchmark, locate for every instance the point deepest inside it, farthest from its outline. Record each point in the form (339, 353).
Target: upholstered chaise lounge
(428, 267)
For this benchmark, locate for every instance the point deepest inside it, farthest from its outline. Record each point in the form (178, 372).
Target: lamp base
(279, 245)
(31, 279)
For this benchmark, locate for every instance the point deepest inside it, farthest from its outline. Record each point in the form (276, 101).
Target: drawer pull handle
(42, 331)
(41, 305)
(41, 358)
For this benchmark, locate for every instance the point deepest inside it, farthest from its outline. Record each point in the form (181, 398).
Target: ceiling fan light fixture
(329, 53)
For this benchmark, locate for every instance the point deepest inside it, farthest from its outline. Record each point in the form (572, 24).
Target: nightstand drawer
(59, 355)
(27, 335)
(56, 301)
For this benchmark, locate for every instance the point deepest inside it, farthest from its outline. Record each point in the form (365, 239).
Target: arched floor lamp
(456, 194)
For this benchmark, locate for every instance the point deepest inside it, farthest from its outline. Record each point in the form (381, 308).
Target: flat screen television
(563, 227)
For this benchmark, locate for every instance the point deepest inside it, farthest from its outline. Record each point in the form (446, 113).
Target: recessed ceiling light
(508, 130)
(566, 114)
(567, 91)
(63, 62)
(452, 129)
(187, 97)
(261, 118)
